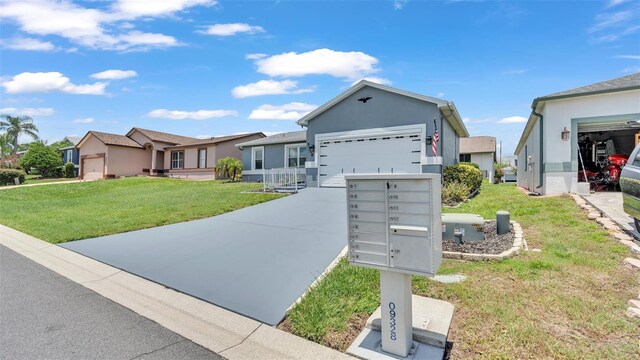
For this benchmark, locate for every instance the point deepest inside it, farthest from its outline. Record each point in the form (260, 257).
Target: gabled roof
(73, 139)
(282, 138)
(215, 140)
(447, 107)
(478, 144)
(162, 136)
(111, 139)
(622, 83)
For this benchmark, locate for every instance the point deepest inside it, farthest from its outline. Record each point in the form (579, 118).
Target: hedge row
(7, 176)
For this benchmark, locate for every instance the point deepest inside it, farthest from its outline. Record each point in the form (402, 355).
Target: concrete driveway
(610, 203)
(255, 261)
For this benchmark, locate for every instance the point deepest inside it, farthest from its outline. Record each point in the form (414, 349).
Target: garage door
(368, 155)
(93, 168)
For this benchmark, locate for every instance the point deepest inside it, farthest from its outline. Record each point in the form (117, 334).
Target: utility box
(395, 222)
(466, 227)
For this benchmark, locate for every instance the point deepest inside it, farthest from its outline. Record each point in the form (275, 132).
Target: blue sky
(208, 68)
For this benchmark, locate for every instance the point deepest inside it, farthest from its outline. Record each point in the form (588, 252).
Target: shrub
(463, 174)
(454, 193)
(7, 176)
(229, 167)
(46, 160)
(470, 163)
(69, 170)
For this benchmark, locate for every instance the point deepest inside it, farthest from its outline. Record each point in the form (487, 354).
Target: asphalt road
(44, 315)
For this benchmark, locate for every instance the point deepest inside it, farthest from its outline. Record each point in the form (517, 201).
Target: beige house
(142, 152)
(480, 150)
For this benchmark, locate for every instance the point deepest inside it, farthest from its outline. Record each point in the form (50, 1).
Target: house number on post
(394, 225)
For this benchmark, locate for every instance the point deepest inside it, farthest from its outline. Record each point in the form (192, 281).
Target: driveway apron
(610, 203)
(255, 261)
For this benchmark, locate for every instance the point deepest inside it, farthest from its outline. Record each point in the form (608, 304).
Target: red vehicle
(608, 176)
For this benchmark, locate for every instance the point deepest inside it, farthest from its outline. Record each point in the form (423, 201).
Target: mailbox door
(411, 252)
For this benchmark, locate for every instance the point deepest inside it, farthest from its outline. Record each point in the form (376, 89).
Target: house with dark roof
(149, 152)
(479, 150)
(71, 154)
(575, 129)
(284, 150)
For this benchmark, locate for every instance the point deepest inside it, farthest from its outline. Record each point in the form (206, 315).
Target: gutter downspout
(541, 117)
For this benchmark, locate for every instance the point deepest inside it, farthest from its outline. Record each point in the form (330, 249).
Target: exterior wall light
(312, 149)
(428, 140)
(565, 134)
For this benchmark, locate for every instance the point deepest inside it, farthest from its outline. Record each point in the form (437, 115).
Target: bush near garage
(470, 163)
(68, 170)
(7, 176)
(454, 193)
(463, 174)
(46, 160)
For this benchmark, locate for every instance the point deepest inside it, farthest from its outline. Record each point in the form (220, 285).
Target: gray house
(369, 128)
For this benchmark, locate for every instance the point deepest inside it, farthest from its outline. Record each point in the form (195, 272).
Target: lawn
(567, 301)
(66, 212)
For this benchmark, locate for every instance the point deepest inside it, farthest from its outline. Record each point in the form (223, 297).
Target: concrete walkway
(221, 331)
(43, 184)
(610, 204)
(47, 316)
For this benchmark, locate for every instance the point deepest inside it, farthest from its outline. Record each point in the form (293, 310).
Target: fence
(290, 179)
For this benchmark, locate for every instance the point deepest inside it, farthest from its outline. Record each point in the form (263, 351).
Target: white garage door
(367, 155)
(93, 169)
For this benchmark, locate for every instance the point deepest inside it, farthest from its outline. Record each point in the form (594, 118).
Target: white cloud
(291, 111)
(114, 74)
(268, 87)
(84, 121)
(255, 56)
(512, 120)
(28, 111)
(145, 40)
(631, 69)
(374, 79)
(146, 8)
(632, 57)
(191, 115)
(440, 94)
(515, 72)
(232, 29)
(351, 65)
(613, 3)
(610, 26)
(28, 82)
(28, 44)
(399, 4)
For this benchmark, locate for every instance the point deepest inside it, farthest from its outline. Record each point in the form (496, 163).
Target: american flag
(435, 139)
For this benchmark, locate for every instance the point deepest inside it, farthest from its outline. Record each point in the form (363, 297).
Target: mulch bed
(492, 244)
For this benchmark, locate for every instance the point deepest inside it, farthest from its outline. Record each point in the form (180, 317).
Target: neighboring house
(284, 150)
(373, 128)
(146, 152)
(480, 150)
(575, 127)
(71, 154)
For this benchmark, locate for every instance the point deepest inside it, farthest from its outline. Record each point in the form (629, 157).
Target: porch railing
(284, 178)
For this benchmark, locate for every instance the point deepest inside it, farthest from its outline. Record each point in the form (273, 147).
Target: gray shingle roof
(115, 139)
(282, 138)
(74, 139)
(216, 140)
(477, 144)
(625, 82)
(164, 137)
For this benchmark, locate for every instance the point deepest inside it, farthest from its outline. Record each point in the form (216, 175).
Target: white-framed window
(70, 155)
(465, 157)
(177, 159)
(257, 158)
(202, 158)
(295, 155)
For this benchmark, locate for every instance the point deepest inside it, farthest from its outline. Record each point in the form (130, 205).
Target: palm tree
(5, 145)
(16, 126)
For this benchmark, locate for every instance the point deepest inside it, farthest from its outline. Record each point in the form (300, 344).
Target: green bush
(46, 160)
(7, 176)
(69, 170)
(463, 174)
(229, 167)
(454, 193)
(470, 163)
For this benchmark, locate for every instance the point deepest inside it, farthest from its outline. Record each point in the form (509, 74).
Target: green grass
(47, 180)
(567, 301)
(67, 212)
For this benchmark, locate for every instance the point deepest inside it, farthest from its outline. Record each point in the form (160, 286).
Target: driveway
(610, 203)
(255, 261)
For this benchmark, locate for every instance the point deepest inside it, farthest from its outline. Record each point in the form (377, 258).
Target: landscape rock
(632, 263)
(593, 215)
(622, 236)
(633, 312)
(634, 303)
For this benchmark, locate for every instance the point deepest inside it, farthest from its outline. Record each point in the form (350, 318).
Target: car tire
(636, 222)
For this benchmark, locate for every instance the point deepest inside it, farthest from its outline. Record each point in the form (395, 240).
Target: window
(202, 158)
(465, 157)
(70, 155)
(177, 159)
(296, 155)
(257, 158)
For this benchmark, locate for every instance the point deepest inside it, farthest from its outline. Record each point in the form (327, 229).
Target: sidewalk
(45, 315)
(43, 184)
(221, 331)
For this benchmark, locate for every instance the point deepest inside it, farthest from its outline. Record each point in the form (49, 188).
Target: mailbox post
(395, 226)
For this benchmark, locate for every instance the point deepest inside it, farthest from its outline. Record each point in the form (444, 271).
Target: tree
(5, 145)
(61, 144)
(229, 167)
(43, 158)
(15, 126)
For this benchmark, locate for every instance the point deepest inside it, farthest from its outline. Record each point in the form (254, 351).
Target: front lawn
(65, 212)
(567, 301)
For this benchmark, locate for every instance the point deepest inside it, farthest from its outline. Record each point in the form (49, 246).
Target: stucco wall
(485, 161)
(528, 177)
(449, 143)
(273, 157)
(127, 161)
(228, 148)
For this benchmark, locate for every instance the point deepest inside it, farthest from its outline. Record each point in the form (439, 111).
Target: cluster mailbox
(395, 222)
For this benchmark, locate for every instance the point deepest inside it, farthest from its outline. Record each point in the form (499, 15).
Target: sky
(206, 68)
